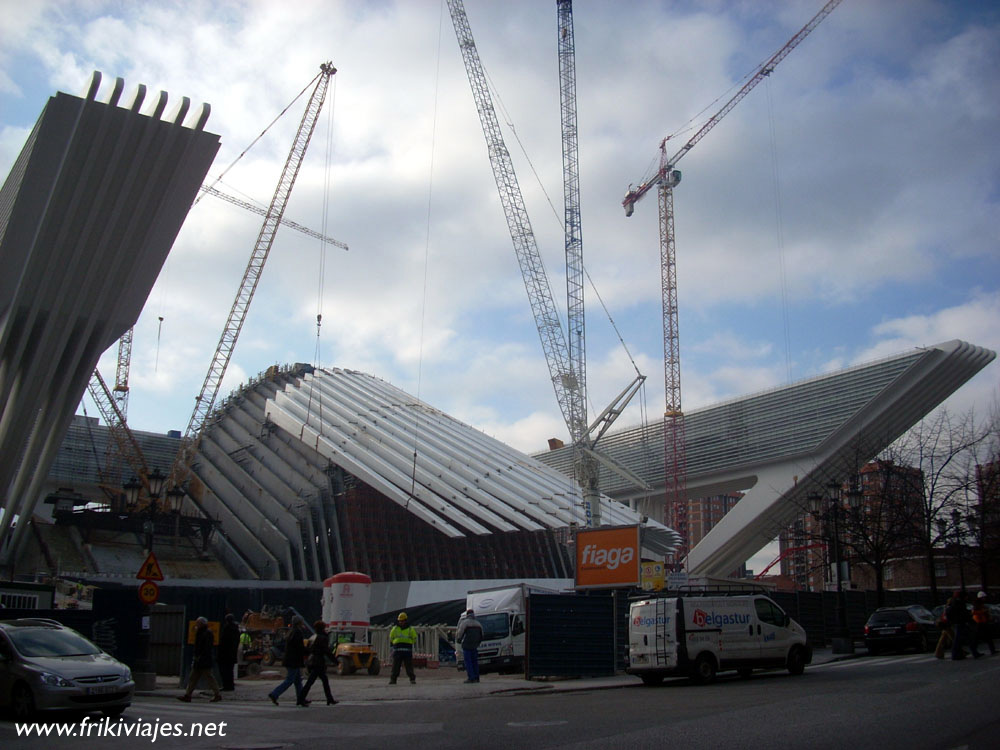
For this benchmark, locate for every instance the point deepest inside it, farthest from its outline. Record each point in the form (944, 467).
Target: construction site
(308, 470)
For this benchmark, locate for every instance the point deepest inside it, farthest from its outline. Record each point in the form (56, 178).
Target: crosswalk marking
(914, 659)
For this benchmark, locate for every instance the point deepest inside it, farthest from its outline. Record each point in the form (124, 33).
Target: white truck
(501, 611)
(698, 635)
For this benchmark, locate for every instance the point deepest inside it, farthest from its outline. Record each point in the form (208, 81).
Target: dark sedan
(898, 628)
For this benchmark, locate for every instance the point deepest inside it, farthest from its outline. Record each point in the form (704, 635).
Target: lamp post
(144, 674)
(829, 511)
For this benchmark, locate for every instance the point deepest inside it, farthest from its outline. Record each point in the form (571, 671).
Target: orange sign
(150, 570)
(149, 592)
(607, 557)
(213, 626)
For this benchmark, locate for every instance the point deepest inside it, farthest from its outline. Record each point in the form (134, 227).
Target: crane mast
(536, 283)
(585, 465)
(667, 177)
(205, 400)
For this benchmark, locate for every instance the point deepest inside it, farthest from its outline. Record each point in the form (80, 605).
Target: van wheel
(703, 669)
(651, 679)
(796, 661)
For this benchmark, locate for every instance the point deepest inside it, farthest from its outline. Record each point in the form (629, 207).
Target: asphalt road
(900, 701)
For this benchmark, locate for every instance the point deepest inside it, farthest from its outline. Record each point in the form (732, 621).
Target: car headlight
(55, 680)
(127, 677)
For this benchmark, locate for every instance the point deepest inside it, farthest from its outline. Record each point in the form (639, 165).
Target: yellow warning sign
(150, 570)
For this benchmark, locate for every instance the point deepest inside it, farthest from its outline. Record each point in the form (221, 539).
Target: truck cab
(701, 635)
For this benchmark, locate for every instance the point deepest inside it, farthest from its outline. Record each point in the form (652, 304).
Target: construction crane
(566, 363)
(205, 401)
(666, 178)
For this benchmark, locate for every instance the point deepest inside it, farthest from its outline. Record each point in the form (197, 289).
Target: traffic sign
(150, 570)
(149, 592)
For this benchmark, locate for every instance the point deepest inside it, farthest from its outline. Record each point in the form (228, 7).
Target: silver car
(46, 666)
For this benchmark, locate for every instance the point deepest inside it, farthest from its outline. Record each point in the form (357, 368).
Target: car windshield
(892, 617)
(39, 642)
(494, 626)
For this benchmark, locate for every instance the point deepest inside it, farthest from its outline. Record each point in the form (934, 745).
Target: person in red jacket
(981, 620)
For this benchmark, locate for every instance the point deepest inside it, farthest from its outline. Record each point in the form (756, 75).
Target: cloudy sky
(844, 211)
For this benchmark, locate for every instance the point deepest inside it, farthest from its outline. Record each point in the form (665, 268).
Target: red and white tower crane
(666, 178)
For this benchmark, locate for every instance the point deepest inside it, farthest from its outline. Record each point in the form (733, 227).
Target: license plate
(102, 690)
(887, 631)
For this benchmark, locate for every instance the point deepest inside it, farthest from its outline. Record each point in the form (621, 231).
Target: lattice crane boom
(666, 179)
(205, 400)
(536, 283)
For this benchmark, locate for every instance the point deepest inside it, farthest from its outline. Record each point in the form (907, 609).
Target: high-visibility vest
(405, 637)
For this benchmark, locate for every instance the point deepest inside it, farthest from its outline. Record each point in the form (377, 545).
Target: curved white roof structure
(780, 445)
(446, 473)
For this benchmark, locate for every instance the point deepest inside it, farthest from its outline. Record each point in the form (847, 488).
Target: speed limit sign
(149, 592)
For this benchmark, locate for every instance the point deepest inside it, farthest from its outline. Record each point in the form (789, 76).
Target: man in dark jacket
(470, 635)
(295, 659)
(318, 653)
(202, 665)
(960, 620)
(229, 644)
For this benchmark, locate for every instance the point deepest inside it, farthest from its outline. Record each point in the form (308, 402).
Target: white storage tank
(345, 601)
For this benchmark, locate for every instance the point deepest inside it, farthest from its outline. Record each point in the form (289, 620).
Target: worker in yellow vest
(402, 637)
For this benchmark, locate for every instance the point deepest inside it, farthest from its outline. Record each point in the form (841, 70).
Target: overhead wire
(427, 246)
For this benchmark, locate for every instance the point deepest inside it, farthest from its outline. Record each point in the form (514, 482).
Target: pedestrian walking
(470, 635)
(295, 654)
(947, 633)
(961, 622)
(318, 651)
(401, 638)
(981, 623)
(229, 644)
(202, 664)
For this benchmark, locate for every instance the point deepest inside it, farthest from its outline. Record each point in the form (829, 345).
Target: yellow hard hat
(401, 616)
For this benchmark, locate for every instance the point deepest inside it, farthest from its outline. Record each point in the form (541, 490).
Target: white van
(699, 635)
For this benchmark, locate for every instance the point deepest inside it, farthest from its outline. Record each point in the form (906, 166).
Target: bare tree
(940, 446)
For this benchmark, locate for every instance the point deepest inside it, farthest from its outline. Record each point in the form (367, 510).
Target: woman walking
(317, 662)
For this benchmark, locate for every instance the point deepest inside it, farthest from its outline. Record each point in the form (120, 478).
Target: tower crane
(666, 178)
(566, 362)
(205, 401)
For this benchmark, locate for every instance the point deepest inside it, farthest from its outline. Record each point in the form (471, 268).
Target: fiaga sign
(607, 557)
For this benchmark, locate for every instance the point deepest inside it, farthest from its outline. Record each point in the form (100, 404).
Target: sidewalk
(445, 683)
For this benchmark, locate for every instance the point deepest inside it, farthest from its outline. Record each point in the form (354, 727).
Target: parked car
(46, 666)
(898, 628)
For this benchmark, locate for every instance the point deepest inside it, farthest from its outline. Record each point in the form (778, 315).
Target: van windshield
(494, 626)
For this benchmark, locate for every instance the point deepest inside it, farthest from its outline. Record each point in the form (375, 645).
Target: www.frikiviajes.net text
(108, 727)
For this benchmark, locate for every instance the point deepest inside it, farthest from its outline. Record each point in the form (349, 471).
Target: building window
(940, 569)
(887, 573)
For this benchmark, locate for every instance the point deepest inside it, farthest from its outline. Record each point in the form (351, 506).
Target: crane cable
(262, 133)
(321, 271)
(427, 245)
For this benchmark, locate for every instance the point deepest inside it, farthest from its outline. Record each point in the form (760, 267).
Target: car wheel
(651, 679)
(114, 710)
(923, 645)
(703, 669)
(796, 661)
(22, 702)
(873, 650)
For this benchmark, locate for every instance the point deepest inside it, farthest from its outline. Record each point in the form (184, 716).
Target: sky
(844, 211)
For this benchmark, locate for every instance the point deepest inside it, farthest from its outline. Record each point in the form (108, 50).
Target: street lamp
(829, 511)
(144, 674)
